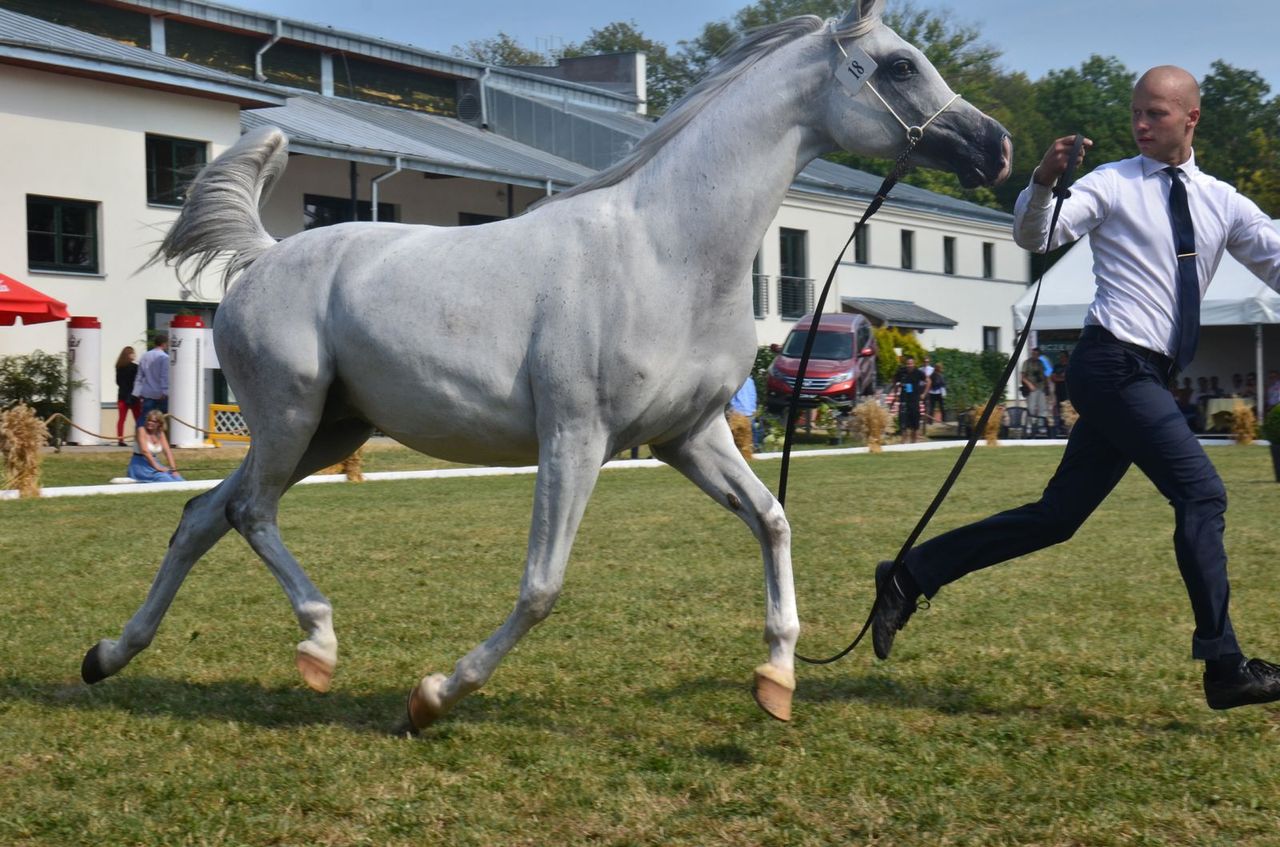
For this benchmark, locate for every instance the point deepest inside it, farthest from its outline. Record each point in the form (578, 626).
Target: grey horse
(608, 292)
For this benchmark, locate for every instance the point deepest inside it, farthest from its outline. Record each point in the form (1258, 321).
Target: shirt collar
(1151, 166)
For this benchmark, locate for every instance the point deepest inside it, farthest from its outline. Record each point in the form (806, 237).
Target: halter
(914, 133)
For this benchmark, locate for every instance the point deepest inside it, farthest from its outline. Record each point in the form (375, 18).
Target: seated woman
(151, 445)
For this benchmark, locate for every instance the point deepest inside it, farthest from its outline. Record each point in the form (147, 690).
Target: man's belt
(1093, 332)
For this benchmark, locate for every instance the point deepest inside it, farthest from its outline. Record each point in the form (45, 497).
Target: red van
(841, 368)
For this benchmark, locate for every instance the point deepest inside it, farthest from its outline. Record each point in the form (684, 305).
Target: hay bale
(1244, 424)
(1069, 415)
(22, 434)
(870, 420)
(351, 466)
(740, 426)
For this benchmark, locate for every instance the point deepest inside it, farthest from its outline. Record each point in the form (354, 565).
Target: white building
(108, 108)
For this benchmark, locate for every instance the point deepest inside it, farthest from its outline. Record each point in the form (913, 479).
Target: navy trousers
(1127, 416)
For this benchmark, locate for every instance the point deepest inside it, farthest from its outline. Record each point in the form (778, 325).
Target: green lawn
(1049, 702)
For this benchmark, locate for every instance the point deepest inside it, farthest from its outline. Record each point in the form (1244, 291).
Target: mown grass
(1050, 701)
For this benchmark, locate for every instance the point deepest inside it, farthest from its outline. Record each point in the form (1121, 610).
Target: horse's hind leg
(568, 466)
(276, 461)
(708, 457)
(203, 522)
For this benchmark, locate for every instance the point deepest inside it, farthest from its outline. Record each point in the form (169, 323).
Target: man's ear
(1193, 118)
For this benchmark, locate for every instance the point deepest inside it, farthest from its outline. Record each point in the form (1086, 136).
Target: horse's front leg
(708, 457)
(568, 466)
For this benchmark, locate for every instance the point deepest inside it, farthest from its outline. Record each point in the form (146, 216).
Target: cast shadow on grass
(380, 712)
(871, 689)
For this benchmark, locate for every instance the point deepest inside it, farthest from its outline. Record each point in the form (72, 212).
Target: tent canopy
(1235, 297)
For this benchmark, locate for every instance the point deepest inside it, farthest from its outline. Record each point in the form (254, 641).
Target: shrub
(1244, 424)
(760, 370)
(887, 339)
(971, 377)
(39, 381)
(1271, 425)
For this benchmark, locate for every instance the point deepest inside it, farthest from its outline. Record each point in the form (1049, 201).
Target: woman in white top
(151, 446)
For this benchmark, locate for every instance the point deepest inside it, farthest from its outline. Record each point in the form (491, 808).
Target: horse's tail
(220, 215)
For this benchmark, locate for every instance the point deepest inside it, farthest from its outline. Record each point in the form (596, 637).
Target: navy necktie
(1184, 236)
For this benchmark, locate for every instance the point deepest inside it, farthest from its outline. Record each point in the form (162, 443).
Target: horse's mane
(745, 52)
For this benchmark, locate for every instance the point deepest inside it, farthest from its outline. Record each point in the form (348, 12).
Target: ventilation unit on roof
(470, 107)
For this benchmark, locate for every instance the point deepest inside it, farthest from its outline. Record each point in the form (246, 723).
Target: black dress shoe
(892, 611)
(1255, 681)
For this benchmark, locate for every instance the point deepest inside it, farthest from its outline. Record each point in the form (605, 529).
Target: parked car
(841, 368)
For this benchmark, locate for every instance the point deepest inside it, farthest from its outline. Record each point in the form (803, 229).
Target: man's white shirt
(1124, 208)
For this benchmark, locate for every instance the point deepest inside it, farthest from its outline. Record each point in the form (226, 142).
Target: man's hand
(1054, 163)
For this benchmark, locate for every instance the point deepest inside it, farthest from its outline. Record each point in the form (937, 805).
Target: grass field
(1050, 701)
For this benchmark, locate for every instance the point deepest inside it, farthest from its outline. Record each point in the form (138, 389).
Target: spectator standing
(1034, 384)
(1273, 390)
(152, 384)
(126, 400)
(1059, 381)
(742, 415)
(1044, 361)
(911, 385)
(936, 406)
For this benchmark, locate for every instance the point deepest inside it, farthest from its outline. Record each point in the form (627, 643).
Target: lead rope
(1061, 192)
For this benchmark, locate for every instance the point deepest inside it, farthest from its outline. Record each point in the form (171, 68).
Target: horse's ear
(862, 10)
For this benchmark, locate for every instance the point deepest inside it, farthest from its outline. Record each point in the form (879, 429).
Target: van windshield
(828, 345)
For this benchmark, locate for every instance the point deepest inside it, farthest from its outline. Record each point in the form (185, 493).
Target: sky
(1034, 36)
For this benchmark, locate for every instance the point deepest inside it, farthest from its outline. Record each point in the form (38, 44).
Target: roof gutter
(373, 189)
(257, 57)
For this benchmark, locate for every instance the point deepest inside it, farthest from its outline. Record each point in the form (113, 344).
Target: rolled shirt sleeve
(1081, 212)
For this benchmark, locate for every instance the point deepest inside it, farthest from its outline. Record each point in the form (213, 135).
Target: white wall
(85, 140)
(964, 297)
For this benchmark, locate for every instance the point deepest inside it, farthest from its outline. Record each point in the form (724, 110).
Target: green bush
(1271, 425)
(888, 338)
(760, 370)
(38, 380)
(971, 377)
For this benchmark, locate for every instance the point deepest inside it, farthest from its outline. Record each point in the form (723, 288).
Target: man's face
(1162, 124)
(910, 363)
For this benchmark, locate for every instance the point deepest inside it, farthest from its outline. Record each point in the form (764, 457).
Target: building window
(988, 260)
(795, 289)
(862, 246)
(759, 290)
(991, 338)
(319, 210)
(172, 165)
(908, 249)
(62, 235)
(948, 255)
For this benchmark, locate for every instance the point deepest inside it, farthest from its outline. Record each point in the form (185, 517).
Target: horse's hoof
(316, 672)
(91, 669)
(773, 690)
(425, 706)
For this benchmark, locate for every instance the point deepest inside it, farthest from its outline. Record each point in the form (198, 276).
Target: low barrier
(226, 424)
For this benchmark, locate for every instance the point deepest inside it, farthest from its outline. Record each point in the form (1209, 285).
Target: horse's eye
(903, 69)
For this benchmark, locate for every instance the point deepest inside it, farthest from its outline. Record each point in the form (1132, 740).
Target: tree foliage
(1238, 139)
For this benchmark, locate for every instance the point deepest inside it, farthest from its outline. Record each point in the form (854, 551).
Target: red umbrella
(22, 301)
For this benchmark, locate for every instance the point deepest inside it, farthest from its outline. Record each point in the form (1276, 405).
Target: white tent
(1235, 298)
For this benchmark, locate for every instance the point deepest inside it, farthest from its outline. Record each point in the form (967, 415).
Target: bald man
(1156, 245)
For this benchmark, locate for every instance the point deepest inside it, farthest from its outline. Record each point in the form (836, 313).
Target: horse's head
(871, 113)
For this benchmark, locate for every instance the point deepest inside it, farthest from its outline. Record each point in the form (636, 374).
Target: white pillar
(84, 367)
(187, 340)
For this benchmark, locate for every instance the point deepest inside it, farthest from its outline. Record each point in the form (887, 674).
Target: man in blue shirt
(152, 383)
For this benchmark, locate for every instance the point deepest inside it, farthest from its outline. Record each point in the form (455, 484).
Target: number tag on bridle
(856, 69)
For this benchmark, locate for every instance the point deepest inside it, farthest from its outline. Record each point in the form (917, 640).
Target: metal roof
(33, 42)
(336, 128)
(903, 313)
(330, 39)
(827, 178)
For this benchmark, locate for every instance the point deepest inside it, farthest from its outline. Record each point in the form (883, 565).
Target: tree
(1094, 99)
(1236, 139)
(502, 50)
